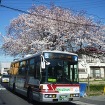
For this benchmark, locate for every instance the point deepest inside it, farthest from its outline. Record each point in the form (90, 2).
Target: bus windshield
(60, 71)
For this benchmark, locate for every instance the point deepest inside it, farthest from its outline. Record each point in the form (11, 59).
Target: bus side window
(37, 67)
(14, 68)
(31, 67)
(22, 68)
(27, 67)
(37, 70)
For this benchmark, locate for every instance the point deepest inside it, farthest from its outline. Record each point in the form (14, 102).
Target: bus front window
(60, 71)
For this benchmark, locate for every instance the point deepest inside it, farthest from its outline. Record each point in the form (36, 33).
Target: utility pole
(88, 84)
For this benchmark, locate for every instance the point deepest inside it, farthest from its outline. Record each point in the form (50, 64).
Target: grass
(96, 89)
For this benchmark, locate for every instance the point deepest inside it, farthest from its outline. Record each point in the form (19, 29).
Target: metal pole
(88, 85)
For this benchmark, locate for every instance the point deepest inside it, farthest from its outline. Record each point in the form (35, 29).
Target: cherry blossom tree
(52, 28)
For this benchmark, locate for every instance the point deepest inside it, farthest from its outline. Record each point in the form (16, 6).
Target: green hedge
(96, 89)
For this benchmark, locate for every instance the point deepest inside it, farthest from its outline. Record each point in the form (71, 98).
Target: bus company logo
(76, 90)
(62, 89)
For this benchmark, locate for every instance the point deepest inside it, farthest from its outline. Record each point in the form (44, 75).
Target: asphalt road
(8, 98)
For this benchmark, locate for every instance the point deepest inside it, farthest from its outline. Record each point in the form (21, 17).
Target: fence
(94, 86)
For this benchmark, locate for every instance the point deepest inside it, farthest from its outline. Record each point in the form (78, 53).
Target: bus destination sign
(60, 56)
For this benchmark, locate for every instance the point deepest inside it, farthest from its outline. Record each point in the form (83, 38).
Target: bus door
(73, 73)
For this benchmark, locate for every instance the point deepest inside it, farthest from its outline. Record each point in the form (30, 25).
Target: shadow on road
(64, 103)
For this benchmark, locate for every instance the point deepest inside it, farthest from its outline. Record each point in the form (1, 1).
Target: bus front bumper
(55, 98)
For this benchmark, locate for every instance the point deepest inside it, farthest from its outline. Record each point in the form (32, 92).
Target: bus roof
(53, 51)
(63, 52)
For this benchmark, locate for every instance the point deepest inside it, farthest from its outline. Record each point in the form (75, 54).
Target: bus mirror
(47, 63)
(43, 65)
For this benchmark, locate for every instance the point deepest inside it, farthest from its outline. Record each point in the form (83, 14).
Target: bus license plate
(63, 97)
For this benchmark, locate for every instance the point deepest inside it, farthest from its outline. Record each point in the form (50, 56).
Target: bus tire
(14, 88)
(30, 95)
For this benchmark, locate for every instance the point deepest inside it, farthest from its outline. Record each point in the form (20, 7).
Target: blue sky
(93, 8)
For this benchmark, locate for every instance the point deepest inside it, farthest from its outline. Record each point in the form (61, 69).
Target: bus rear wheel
(30, 95)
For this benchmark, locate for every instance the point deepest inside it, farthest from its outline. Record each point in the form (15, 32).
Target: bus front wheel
(30, 95)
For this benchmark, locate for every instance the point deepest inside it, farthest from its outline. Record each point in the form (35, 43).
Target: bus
(48, 76)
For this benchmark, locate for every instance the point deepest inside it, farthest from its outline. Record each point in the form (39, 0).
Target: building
(91, 67)
(4, 67)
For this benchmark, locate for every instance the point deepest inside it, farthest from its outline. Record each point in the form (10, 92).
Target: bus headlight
(50, 95)
(74, 95)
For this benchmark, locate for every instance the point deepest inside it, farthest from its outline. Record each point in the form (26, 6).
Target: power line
(99, 1)
(74, 10)
(15, 9)
(46, 17)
